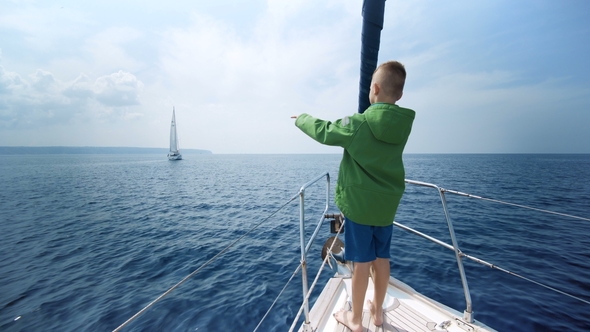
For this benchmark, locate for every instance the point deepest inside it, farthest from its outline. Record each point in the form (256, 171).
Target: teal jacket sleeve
(337, 133)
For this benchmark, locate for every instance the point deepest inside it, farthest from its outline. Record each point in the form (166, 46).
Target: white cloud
(9, 81)
(43, 81)
(41, 100)
(118, 89)
(80, 88)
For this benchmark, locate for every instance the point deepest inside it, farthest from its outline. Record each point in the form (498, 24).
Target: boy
(370, 183)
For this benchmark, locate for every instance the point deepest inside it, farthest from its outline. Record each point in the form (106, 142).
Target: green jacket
(371, 176)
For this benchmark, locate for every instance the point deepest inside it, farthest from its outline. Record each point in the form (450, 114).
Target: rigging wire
(277, 298)
(483, 262)
(290, 279)
(513, 204)
(315, 281)
(200, 268)
(493, 266)
(480, 261)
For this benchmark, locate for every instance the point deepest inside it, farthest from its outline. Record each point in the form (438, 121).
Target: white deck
(404, 310)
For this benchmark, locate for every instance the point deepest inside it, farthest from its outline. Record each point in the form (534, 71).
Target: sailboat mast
(373, 11)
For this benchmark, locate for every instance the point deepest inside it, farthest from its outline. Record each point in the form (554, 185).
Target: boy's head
(387, 85)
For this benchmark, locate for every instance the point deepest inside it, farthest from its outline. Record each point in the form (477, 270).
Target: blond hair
(392, 78)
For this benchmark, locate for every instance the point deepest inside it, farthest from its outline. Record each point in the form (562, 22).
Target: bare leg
(380, 280)
(360, 279)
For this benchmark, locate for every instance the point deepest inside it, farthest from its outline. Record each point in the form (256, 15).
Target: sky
(483, 76)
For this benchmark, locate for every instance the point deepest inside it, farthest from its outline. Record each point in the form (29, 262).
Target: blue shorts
(366, 243)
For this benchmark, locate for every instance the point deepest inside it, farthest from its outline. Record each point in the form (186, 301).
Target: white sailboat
(174, 153)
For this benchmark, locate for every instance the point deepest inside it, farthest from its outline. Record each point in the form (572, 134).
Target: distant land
(91, 150)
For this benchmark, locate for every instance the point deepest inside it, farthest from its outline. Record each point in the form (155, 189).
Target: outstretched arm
(336, 133)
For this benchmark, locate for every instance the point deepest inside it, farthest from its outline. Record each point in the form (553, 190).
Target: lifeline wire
(512, 204)
(275, 301)
(199, 269)
(301, 263)
(481, 261)
(289, 281)
(524, 207)
(315, 281)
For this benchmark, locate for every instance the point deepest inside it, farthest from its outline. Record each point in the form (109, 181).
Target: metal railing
(459, 255)
(306, 246)
(468, 313)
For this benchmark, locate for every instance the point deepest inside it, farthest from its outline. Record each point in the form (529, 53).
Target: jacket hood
(390, 123)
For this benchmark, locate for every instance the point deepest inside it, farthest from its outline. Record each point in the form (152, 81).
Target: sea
(89, 240)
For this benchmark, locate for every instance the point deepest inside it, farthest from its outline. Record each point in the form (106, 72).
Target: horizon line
(259, 153)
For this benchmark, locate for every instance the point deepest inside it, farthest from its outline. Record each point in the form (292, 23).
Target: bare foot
(345, 317)
(376, 314)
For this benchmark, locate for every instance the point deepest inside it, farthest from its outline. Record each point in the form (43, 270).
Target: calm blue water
(89, 240)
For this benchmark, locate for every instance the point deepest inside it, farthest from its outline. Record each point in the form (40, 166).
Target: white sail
(174, 153)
